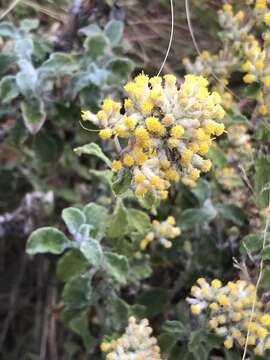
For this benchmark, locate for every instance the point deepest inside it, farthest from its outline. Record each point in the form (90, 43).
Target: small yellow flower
(177, 131)
(128, 160)
(228, 343)
(249, 78)
(130, 122)
(265, 319)
(266, 18)
(116, 165)
(153, 125)
(263, 110)
(266, 80)
(216, 284)
(223, 300)
(195, 309)
(186, 157)
(105, 133)
(85, 115)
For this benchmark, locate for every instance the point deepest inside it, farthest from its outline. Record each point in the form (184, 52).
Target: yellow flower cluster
(230, 310)
(166, 130)
(162, 231)
(135, 344)
(235, 34)
(241, 50)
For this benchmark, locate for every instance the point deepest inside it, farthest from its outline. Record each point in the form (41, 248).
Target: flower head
(162, 123)
(135, 343)
(231, 312)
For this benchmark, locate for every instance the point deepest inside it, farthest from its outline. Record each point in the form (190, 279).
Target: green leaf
(232, 212)
(139, 221)
(106, 175)
(174, 331)
(122, 182)
(149, 200)
(96, 75)
(90, 30)
(8, 89)
(218, 156)
(118, 312)
(202, 342)
(118, 225)
(264, 283)
(93, 149)
(202, 191)
(190, 217)
(175, 327)
(266, 253)
(166, 343)
(117, 266)
(92, 251)
(232, 355)
(7, 29)
(79, 325)
(154, 300)
(140, 268)
(73, 219)
(60, 64)
(251, 243)
(252, 90)
(114, 31)
(120, 67)
(77, 292)
(34, 114)
(262, 181)
(29, 24)
(96, 45)
(97, 216)
(6, 61)
(236, 117)
(72, 263)
(24, 48)
(47, 240)
(46, 147)
(27, 78)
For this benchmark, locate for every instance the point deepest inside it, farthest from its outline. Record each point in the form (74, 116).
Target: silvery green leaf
(47, 240)
(73, 219)
(7, 29)
(24, 48)
(60, 64)
(26, 78)
(8, 89)
(33, 114)
(90, 30)
(117, 266)
(29, 24)
(96, 75)
(93, 149)
(96, 45)
(96, 216)
(92, 251)
(120, 68)
(114, 31)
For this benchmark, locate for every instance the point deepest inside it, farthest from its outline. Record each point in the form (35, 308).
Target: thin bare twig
(9, 9)
(170, 41)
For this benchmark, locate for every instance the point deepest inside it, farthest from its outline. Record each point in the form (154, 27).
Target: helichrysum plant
(167, 130)
(234, 312)
(136, 343)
